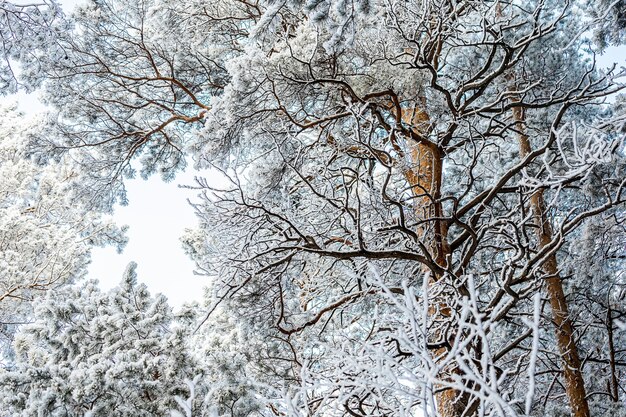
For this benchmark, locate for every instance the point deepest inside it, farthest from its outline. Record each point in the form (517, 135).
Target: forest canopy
(421, 209)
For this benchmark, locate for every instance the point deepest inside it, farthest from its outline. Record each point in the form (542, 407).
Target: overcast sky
(157, 215)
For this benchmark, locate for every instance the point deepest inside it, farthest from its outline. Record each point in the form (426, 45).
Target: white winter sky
(158, 213)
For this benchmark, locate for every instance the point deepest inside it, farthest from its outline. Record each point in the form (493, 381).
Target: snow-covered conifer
(46, 235)
(119, 353)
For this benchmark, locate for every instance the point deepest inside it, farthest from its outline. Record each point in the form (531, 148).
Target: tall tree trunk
(425, 177)
(614, 386)
(566, 343)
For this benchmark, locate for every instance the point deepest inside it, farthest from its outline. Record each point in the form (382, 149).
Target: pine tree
(118, 353)
(405, 186)
(46, 236)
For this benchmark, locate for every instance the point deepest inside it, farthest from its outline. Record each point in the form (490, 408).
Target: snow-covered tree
(119, 353)
(134, 83)
(432, 142)
(407, 185)
(227, 352)
(27, 32)
(46, 235)
(611, 22)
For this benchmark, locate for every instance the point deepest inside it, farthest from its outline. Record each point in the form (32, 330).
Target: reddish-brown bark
(425, 176)
(565, 340)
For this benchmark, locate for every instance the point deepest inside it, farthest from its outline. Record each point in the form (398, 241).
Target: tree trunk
(566, 343)
(425, 177)
(614, 386)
